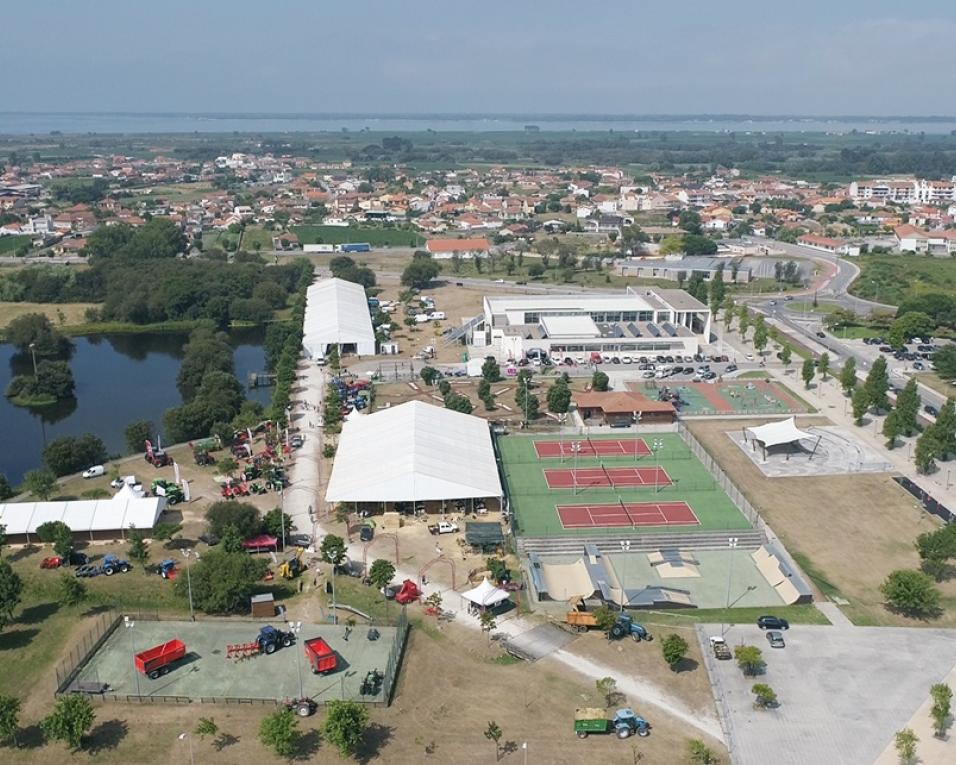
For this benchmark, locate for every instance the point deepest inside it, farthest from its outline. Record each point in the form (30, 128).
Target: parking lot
(843, 691)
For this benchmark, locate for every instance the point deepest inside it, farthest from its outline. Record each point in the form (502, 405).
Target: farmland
(892, 278)
(377, 237)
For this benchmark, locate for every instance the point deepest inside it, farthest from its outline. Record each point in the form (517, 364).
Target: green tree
(926, 452)
(6, 490)
(905, 742)
(559, 396)
(344, 726)
(750, 659)
(72, 591)
(907, 408)
(877, 384)
(241, 515)
(420, 272)
(58, 534)
(71, 454)
(717, 292)
(11, 587)
(945, 362)
(381, 573)
(490, 370)
(222, 582)
(9, 719)
(808, 372)
(848, 376)
(274, 520)
(674, 648)
(743, 320)
(487, 622)
(493, 733)
(607, 689)
(279, 731)
(599, 381)
(944, 429)
(911, 593)
(942, 696)
(36, 329)
(206, 727)
(227, 466)
(907, 326)
(71, 719)
(701, 754)
(484, 388)
(138, 549)
(231, 540)
(136, 435)
(760, 333)
(52, 382)
(429, 375)
(786, 355)
(891, 429)
(860, 404)
(824, 366)
(764, 695)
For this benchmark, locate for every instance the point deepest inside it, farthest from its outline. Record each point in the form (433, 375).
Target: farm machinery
(171, 491)
(111, 564)
(624, 724)
(372, 684)
(578, 620)
(268, 641)
(158, 660)
(73, 558)
(292, 566)
(322, 659)
(157, 457)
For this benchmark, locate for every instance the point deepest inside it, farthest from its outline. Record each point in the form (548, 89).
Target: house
(909, 238)
(442, 249)
(827, 244)
(622, 408)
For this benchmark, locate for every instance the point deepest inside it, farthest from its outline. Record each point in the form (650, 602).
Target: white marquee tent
(336, 313)
(411, 452)
(122, 512)
(485, 594)
(778, 433)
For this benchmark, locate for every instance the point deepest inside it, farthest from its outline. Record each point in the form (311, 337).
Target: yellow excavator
(291, 567)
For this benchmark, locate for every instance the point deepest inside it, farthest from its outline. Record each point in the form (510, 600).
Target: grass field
(534, 504)
(73, 313)
(937, 383)
(9, 243)
(377, 237)
(891, 278)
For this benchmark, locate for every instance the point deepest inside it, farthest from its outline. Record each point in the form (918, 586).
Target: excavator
(292, 566)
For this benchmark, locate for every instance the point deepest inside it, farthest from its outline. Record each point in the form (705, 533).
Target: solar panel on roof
(669, 328)
(652, 328)
(632, 328)
(618, 331)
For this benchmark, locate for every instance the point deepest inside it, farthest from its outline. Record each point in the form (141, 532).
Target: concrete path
(835, 615)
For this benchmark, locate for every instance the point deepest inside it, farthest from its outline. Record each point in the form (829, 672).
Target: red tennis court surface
(639, 514)
(622, 447)
(564, 478)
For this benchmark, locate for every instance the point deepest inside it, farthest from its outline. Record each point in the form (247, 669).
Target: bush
(222, 582)
(911, 593)
(71, 454)
(242, 516)
(600, 381)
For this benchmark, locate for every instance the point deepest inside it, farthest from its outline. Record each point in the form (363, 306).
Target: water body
(119, 378)
(129, 123)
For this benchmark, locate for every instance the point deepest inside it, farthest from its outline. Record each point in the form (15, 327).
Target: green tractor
(171, 491)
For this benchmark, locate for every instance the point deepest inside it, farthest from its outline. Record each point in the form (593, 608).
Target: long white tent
(414, 451)
(777, 434)
(336, 313)
(91, 516)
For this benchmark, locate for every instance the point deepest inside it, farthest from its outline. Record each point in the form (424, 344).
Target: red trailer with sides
(409, 593)
(321, 657)
(159, 659)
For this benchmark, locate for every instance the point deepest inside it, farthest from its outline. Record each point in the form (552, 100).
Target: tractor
(163, 488)
(292, 566)
(625, 625)
(167, 569)
(624, 724)
(270, 639)
(158, 458)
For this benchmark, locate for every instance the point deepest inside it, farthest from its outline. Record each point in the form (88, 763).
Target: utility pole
(732, 545)
(625, 549)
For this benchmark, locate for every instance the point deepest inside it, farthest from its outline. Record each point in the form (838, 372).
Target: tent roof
(120, 512)
(412, 452)
(485, 594)
(779, 432)
(336, 311)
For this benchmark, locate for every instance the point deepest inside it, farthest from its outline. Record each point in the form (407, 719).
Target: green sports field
(533, 503)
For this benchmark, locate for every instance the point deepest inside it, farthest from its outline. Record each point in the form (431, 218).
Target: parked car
(821, 334)
(94, 472)
(366, 533)
(918, 365)
(731, 368)
(773, 623)
(775, 639)
(931, 410)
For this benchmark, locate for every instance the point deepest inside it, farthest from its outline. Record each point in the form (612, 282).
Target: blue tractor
(270, 639)
(113, 563)
(625, 625)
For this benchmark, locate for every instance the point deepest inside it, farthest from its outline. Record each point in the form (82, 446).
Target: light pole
(187, 554)
(732, 544)
(656, 445)
(282, 514)
(625, 549)
(295, 628)
(524, 748)
(189, 742)
(129, 624)
(33, 351)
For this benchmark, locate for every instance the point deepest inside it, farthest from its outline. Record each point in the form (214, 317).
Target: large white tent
(411, 452)
(116, 515)
(485, 594)
(779, 433)
(336, 313)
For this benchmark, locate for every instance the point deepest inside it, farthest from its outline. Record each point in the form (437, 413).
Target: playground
(589, 492)
(211, 671)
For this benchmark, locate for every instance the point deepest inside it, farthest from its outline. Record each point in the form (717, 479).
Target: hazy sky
(546, 56)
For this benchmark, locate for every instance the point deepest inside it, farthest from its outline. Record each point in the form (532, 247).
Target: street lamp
(129, 625)
(732, 545)
(189, 741)
(187, 554)
(295, 628)
(656, 445)
(625, 548)
(33, 351)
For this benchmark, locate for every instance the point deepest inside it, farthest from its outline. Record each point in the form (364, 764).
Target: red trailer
(409, 593)
(321, 657)
(157, 660)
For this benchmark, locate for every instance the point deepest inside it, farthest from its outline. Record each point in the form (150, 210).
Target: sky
(838, 57)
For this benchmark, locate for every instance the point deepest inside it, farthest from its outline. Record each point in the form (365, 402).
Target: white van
(94, 472)
(320, 361)
(436, 315)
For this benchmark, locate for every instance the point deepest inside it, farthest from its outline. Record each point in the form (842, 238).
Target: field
(9, 243)
(377, 237)
(534, 503)
(73, 313)
(848, 532)
(891, 278)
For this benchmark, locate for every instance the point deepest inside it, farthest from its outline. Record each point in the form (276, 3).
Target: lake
(119, 378)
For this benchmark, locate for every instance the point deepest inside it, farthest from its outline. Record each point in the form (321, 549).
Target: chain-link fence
(83, 648)
(394, 662)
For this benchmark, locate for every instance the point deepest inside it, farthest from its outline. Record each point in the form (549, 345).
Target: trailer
(624, 724)
(321, 657)
(355, 247)
(158, 660)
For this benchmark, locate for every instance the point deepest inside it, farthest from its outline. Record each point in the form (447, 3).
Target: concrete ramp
(539, 642)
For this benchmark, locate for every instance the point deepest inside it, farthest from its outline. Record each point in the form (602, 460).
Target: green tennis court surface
(534, 503)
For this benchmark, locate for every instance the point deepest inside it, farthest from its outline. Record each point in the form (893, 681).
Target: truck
(443, 527)
(321, 657)
(355, 247)
(158, 660)
(720, 648)
(624, 724)
(581, 621)
(270, 639)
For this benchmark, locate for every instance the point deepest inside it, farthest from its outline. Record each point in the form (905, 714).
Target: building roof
(412, 452)
(336, 311)
(680, 300)
(457, 245)
(570, 326)
(617, 402)
(120, 512)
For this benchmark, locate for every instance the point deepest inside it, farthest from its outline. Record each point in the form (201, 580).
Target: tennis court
(618, 477)
(627, 514)
(586, 447)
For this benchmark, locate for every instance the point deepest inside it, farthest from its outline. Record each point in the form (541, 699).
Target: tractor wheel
(648, 637)
(270, 648)
(287, 641)
(304, 709)
(644, 732)
(623, 732)
(617, 631)
(109, 571)
(124, 568)
(582, 734)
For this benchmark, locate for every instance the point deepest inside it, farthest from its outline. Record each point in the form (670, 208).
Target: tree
(227, 466)
(6, 490)
(848, 376)
(907, 326)
(860, 404)
(279, 731)
(937, 547)
(674, 648)
(604, 619)
(764, 695)
(599, 380)
(823, 367)
(877, 384)
(907, 408)
(274, 520)
(700, 753)
(891, 429)
(71, 719)
(942, 696)
(944, 429)
(945, 362)
(241, 515)
(71, 454)
(206, 727)
(420, 272)
(138, 549)
(429, 375)
(493, 733)
(3, 537)
(911, 593)
(36, 329)
(559, 396)
(11, 587)
(749, 659)
(743, 320)
(760, 333)
(52, 382)
(381, 573)
(607, 688)
(808, 372)
(136, 435)
(487, 622)
(223, 582)
(72, 591)
(344, 726)
(490, 370)
(786, 355)
(926, 452)
(230, 541)
(9, 719)
(905, 742)
(717, 292)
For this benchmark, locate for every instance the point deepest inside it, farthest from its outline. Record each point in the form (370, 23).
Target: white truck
(443, 527)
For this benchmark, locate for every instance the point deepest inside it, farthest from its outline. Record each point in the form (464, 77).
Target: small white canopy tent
(485, 594)
(779, 433)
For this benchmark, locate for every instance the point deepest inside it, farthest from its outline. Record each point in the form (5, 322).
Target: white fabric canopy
(336, 313)
(120, 512)
(413, 452)
(485, 594)
(776, 433)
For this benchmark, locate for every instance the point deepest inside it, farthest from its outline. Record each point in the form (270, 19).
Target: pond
(119, 378)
